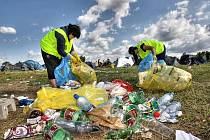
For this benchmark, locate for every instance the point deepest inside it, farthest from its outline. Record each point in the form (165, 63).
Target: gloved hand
(155, 59)
(77, 57)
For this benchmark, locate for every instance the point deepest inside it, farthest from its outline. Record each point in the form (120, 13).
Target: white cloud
(46, 29)
(7, 30)
(91, 16)
(99, 39)
(178, 31)
(94, 53)
(119, 7)
(203, 12)
(36, 56)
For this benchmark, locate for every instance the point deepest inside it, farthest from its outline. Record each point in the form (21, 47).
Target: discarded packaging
(76, 127)
(167, 78)
(54, 98)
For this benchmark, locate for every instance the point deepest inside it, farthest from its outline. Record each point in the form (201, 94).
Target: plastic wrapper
(76, 126)
(146, 63)
(118, 91)
(102, 116)
(123, 84)
(63, 73)
(24, 131)
(84, 73)
(171, 112)
(167, 78)
(54, 98)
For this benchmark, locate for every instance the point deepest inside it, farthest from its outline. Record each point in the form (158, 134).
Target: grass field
(195, 100)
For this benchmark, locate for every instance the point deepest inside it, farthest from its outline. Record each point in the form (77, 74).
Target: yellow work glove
(77, 57)
(154, 59)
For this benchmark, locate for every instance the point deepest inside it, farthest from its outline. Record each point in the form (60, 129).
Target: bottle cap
(76, 96)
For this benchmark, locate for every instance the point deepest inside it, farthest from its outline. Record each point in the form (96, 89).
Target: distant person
(55, 45)
(144, 47)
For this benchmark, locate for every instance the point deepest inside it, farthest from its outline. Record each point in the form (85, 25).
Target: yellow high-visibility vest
(159, 47)
(49, 43)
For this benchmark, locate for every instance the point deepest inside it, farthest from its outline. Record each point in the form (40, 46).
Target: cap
(76, 96)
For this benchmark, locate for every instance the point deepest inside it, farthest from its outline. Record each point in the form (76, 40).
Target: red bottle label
(51, 132)
(68, 114)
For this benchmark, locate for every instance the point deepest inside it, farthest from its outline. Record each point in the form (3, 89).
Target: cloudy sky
(109, 27)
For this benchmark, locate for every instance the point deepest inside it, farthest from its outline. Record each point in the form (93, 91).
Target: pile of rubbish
(88, 107)
(159, 76)
(59, 113)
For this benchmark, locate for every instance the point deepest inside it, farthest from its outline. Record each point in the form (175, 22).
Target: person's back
(145, 47)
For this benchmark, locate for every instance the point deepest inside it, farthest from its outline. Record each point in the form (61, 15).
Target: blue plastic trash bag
(146, 63)
(63, 73)
(161, 62)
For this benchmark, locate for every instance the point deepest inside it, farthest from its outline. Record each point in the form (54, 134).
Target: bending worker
(56, 44)
(144, 47)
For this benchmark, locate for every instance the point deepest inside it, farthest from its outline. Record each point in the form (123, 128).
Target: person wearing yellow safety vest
(144, 47)
(55, 45)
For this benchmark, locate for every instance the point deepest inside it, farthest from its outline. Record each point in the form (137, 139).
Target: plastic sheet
(167, 78)
(84, 73)
(54, 98)
(123, 84)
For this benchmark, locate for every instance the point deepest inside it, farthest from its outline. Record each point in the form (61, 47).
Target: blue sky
(109, 27)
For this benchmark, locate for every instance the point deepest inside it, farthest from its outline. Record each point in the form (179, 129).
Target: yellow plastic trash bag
(84, 73)
(55, 98)
(167, 78)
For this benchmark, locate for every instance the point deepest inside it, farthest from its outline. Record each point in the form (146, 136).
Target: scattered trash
(71, 84)
(123, 84)
(23, 131)
(83, 103)
(54, 98)
(25, 102)
(158, 128)
(163, 77)
(102, 116)
(54, 132)
(76, 127)
(58, 113)
(134, 98)
(71, 114)
(181, 135)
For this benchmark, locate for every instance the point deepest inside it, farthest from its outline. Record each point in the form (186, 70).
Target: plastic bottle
(67, 113)
(55, 132)
(173, 107)
(71, 114)
(76, 127)
(134, 98)
(83, 103)
(165, 99)
(158, 128)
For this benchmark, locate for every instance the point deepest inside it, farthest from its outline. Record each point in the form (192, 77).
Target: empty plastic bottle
(76, 127)
(173, 108)
(165, 99)
(83, 103)
(134, 98)
(158, 128)
(54, 132)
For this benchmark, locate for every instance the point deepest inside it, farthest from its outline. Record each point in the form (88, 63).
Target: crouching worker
(55, 45)
(145, 47)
